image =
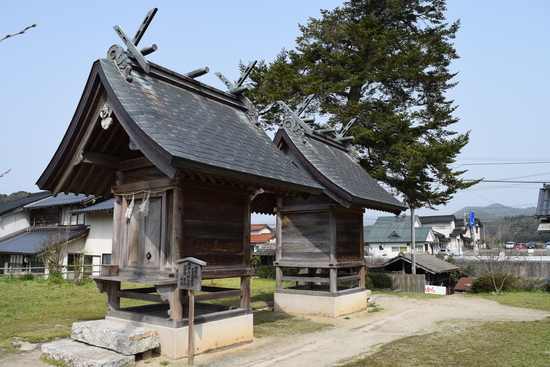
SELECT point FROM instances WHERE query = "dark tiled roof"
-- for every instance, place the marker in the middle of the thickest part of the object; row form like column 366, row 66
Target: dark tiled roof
column 60, row 200
column 543, row 204
column 209, row 131
column 19, row 203
column 428, row 262
column 104, row 206
column 331, row 164
column 266, row 250
column 30, row 242
column 437, row 219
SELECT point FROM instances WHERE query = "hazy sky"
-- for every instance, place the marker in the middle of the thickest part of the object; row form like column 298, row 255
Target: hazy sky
column 501, row 96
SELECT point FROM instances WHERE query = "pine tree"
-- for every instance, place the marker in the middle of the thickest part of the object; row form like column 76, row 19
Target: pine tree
column 385, row 62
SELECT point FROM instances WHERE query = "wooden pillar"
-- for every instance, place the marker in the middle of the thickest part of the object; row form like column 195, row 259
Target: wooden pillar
column 171, row 293
column 333, row 281
column 245, row 298
column 278, row 278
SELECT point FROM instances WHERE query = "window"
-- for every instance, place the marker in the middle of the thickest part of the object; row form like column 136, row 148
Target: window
column 399, row 249
column 419, row 248
column 106, row 259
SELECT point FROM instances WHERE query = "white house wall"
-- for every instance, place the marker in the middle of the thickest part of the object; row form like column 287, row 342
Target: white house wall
column 100, row 239
column 14, row 222
column 387, row 251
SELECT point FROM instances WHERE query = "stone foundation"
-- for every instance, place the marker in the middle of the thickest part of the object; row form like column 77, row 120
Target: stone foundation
column 208, row 336
column 319, row 304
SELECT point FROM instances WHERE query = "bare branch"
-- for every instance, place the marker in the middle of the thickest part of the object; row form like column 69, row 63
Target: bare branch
column 2, row 175
column 21, row 32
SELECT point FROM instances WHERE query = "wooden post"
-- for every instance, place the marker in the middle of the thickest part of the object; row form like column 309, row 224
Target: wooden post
column 191, row 336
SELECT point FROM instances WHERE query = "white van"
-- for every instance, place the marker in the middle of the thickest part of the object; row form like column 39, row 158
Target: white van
column 509, row 244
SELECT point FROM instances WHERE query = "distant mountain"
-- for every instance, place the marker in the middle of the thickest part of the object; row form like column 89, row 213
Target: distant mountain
column 495, row 211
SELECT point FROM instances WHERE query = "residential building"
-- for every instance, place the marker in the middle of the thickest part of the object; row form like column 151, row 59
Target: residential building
column 391, row 235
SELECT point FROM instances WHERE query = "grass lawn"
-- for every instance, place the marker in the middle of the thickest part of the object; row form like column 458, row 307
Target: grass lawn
column 465, row 344
column 35, row 311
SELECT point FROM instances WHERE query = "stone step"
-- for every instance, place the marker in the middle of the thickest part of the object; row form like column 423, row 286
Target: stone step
column 75, row 354
column 122, row 338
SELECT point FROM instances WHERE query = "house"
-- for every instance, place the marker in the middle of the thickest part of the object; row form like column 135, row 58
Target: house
column 180, row 159
column 391, row 235
column 467, row 236
column 256, row 229
column 48, row 219
column 445, row 227
column 436, row 271
column 14, row 217
column 321, row 235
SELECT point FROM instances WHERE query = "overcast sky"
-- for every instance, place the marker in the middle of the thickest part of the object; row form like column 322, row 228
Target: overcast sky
column 502, row 93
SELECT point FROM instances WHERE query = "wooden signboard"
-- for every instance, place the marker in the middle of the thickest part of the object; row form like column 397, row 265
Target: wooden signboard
column 190, row 273
column 190, row 278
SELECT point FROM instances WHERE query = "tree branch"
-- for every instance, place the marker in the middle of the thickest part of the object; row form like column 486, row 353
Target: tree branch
column 21, row 32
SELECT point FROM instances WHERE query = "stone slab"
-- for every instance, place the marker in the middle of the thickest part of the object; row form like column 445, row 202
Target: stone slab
column 316, row 305
column 75, row 354
column 208, row 336
column 122, row 338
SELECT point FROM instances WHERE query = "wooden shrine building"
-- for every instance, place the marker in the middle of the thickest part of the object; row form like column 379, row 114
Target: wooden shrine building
column 183, row 161
column 322, row 236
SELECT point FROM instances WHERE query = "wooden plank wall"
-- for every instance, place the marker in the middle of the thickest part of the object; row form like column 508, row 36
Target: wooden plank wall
column 214, row 225
column 305, row 236
column 349, row 225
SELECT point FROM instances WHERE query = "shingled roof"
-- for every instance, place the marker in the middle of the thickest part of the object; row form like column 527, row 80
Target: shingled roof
column 177, row 123
column 331, row 164
column 31, row 241
column 17, row 205
column 426, row 262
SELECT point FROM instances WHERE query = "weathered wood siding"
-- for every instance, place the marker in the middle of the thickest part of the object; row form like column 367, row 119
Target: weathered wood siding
column 144, row 237
column 349, row 229
column 305, row 236
column 214, row 225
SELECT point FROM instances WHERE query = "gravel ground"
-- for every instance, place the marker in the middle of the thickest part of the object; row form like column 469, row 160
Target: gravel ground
column 350, row 337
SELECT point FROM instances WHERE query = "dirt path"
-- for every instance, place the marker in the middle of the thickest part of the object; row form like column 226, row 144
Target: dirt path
column 360, row 333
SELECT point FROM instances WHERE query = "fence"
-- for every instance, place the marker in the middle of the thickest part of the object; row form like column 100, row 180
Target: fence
column 409, row 282
column 88, row 270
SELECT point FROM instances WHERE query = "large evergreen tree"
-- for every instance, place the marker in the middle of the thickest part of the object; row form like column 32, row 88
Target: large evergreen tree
column 385, row 62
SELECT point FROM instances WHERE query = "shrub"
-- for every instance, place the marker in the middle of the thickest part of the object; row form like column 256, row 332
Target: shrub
column 55, row 277
column 494, row 282
column 265, row 271
column 28, row 276
column 378, row 281
column 545, row 287
column 528, row 285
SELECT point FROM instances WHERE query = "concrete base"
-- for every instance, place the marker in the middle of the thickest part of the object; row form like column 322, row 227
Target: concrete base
column 208, row 336
column 320, row 305
column 76, row 354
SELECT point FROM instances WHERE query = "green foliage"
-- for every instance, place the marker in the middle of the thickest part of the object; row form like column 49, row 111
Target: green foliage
column 378, row 281
column 29, row 277
column 520, row 228
column 545, row 287
column 386, row 63
column 494, row 282
column 12, row 197
column 268, row 271
column 55, row 277
column 255, row 261
column 265, row 271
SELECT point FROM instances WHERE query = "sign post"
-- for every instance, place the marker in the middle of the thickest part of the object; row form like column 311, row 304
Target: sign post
column 190, row 278
column 472, row 224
